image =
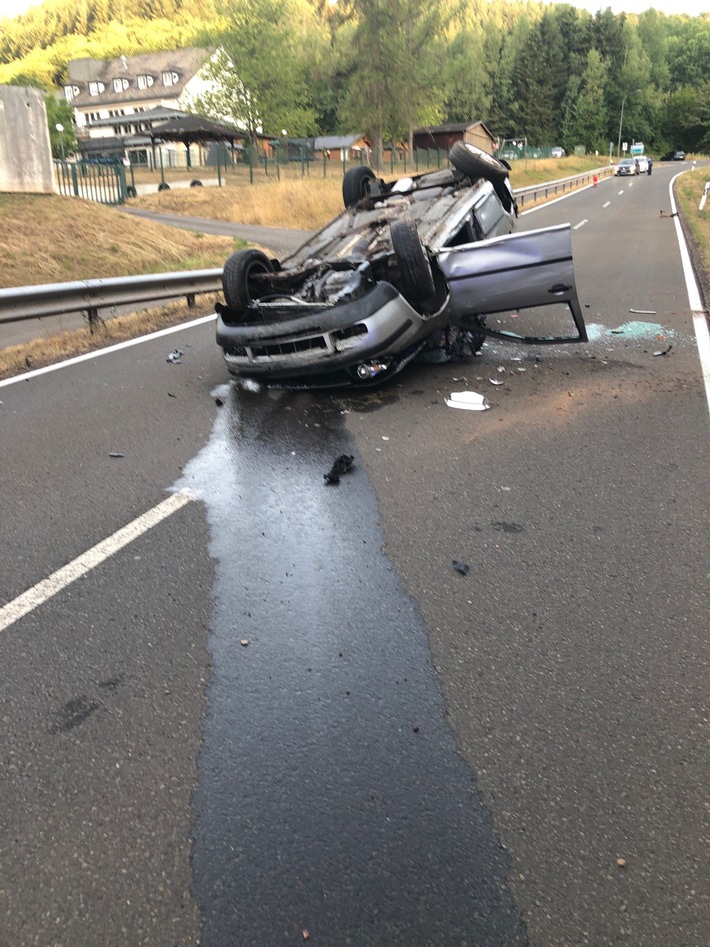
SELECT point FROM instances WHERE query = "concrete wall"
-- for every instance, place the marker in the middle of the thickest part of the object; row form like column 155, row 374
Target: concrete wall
column 25, row 153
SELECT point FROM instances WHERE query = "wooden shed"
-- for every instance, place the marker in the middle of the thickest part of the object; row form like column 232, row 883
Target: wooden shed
column 444, row 136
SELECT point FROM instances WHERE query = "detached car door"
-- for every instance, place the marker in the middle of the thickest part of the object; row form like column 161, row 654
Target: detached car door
column 525, row 280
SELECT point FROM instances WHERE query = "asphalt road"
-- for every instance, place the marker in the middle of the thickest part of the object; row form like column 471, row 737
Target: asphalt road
column 282, row 710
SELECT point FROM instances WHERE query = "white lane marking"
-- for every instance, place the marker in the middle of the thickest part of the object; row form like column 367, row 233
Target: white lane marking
column 621, row 191
column 580, row 224
column 111, row 348
column 695, row 301
column 44, row 590
column 607, row 204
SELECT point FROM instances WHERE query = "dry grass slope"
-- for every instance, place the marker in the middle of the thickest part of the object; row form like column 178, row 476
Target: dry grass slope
column 299, row 205
column 50, row 239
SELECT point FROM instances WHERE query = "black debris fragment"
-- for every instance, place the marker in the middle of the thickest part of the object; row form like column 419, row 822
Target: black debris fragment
column 664, row 351
column 342, row 465
column 505, row 527
column 461, row 567
column 174, row 357
column 115, row 453
column 218, row 402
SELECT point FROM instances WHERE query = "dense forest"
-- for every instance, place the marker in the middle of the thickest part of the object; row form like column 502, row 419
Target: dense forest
column 547, row 72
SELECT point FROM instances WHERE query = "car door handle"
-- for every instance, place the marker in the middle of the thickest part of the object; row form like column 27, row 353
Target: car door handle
column 559, row 289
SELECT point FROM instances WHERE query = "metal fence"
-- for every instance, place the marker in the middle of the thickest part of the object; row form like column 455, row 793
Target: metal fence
column 100, row 181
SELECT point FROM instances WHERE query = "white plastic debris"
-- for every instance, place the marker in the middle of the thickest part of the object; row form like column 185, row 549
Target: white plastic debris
column 174, row 357
column 494, row 381
column 467, row 400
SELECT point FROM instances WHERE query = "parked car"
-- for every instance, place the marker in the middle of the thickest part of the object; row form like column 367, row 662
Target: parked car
column 673, row 156
column 557, row 152
column 627, row 166
column 404, row 263
column 642, row 163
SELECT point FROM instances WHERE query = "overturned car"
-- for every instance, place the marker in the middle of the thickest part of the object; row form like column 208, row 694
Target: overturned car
column 406, row 263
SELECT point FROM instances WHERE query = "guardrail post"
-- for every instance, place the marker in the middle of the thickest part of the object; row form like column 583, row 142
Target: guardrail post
column 190, row 300
column 93, row 318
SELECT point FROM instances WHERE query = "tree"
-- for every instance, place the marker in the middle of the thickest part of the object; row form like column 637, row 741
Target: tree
column 395, row 76
column 583, row 108
column 60, row 112
column 259, row 71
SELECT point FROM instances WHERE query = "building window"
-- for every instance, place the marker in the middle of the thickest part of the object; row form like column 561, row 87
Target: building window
column 145, row 82
column 96, row 88
column 120, row 85
column 71, row 92
column 170, row 78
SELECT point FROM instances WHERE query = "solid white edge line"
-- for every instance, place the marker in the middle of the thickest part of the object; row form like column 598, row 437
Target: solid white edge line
column 107, row 351
column 47, row 588
column 695, row 301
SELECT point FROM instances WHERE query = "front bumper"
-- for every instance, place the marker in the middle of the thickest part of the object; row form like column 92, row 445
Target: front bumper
column 330, row 342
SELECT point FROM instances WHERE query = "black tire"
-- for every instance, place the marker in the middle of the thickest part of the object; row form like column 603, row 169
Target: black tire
column 356, row 184
column 416, row 280
column 237, row 277
column 475, row 163
column 163, row 186
column 195, row 183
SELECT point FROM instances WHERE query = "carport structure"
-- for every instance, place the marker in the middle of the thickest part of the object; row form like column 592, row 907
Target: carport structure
column 193, row 129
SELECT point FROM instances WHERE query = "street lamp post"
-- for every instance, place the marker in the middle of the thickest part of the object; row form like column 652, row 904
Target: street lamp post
column 60, row 129
column 621, row 119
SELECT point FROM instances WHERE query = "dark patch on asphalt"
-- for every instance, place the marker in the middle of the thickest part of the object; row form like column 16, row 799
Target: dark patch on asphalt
column 332, row 796
column 72, row 714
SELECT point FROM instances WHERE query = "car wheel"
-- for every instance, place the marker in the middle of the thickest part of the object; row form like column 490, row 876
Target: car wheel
column 237, row 277
column 356, row 184
column 416, row 280
column 476, row 163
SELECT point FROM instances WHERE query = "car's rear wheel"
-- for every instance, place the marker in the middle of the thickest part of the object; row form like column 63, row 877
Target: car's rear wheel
column 238, row 275
column 416, row 280
column 356, row 184
column 476, row 163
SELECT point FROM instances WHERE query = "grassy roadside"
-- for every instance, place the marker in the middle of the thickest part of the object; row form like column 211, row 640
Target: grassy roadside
column 54, row 239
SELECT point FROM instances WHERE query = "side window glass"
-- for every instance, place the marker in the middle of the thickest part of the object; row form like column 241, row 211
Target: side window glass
column 488, row 213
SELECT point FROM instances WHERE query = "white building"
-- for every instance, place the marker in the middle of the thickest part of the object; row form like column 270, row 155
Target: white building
column 117, row 101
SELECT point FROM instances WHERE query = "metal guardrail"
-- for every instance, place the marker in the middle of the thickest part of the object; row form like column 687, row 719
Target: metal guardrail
column 89, row 296
column 548, row 189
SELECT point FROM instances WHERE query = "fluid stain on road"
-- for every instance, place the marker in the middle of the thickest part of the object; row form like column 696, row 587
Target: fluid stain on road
column 332, row 797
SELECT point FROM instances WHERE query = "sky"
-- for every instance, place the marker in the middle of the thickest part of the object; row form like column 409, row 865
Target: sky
column 691, row 7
